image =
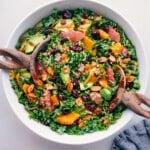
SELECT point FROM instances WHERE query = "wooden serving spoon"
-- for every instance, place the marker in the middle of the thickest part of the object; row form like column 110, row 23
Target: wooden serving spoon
column 130, row 99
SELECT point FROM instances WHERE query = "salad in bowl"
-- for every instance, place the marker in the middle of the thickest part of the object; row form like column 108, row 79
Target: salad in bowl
column 89, row 55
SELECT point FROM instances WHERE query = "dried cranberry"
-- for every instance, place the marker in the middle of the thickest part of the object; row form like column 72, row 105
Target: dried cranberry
column 75, row 93
column 77, row 48
column 85, row 98
column 61, row 96
column 129, row 85
column 67, row 15
column 63, row 40
column 65, row 111
column 85, row 16
column 54, row 51
column 46, row 123
column 75, row 82
column 106, row 29
column 63, row 22
column 60, row 86
column 95, row 35
column 90, row 107
column 53, row 78
column 46, row 32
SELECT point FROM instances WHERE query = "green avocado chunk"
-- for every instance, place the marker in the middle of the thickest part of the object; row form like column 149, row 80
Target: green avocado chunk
column 85, row 86
column 32, row 42
column 106, row 94
column 65, row 76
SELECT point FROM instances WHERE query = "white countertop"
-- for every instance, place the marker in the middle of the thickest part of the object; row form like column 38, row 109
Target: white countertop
column 13, row 134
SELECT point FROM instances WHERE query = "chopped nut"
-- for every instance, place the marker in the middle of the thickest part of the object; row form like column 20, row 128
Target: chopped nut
column 102, row 59
column 87, row 117
column 66, row 70
column 49, row 87
column 97, row 110
column 81, row 124
column 79, row 101
column 44, row 77
column 112, row 58
column 106, row 121
column 126, row 60
column 95, row 88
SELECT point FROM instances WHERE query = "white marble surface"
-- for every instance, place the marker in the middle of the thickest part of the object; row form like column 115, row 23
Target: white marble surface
column 13, row 134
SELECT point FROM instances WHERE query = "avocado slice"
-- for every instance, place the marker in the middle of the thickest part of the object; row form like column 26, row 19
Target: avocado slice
column 65, row 76
column 32, row 41
column 91, row 79
column 85, row 86
column 106, row 94
column 68, row 25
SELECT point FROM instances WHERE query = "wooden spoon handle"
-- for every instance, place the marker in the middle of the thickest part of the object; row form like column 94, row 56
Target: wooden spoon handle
column 13, row 59
column 134, row 103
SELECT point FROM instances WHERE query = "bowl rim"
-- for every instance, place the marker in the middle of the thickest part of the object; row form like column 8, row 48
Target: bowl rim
column 127, row 120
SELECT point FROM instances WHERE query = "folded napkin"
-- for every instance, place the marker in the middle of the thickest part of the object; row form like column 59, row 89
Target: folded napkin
column 135, row 138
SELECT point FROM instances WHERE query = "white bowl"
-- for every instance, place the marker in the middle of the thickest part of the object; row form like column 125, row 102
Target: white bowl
column 44, row 11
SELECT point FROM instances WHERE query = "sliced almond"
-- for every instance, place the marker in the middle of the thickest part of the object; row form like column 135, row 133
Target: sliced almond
column 44, row 77
column 103, row 59
column 49, row 87
column 87, row 117
column 79, row 101
column 112, row 58
column 81, row 124
column 106, row 121
column 126, row 60
column 95, row 88
column 66, row 70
